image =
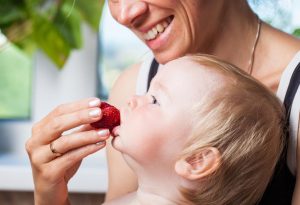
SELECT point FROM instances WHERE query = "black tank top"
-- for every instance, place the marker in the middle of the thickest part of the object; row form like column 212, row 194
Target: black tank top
column 281, row 187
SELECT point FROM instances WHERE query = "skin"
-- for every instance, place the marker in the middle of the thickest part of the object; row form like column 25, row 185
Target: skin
column 236, row 30
column 192, row 31
column 50, row 173
column 151, row 147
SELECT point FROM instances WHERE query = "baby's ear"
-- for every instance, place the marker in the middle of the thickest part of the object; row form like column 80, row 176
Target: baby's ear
column 199, row 165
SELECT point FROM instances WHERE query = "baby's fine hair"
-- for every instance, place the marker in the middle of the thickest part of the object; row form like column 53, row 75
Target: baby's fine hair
column 245, row 122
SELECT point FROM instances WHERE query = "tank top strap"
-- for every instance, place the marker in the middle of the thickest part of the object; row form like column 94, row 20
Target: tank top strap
column 153, row 70
column 142, row 78
column 281, row 187
column 289, row 93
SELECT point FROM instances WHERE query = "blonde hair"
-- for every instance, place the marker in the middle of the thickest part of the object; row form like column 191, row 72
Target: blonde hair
column 245, row 122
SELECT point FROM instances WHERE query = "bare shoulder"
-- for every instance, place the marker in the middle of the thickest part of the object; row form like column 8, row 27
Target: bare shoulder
column 126, row 199
column 276, row 50
column 124, row 86
column 281, row 44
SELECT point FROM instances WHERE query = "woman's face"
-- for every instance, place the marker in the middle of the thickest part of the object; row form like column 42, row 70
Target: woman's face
column 170, row 28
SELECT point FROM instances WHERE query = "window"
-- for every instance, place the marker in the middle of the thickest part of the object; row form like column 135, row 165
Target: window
column 15, row 82
column 119, row 48
column 280, row 14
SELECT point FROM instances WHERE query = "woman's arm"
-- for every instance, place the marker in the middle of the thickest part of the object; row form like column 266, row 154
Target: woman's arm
column 121, row 178
column 296, row 195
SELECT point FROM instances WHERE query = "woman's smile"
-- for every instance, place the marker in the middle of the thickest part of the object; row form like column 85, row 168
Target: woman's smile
column 159, row 34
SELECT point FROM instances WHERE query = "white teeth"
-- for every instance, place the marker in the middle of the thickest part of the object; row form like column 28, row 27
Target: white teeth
column 151, row 34
column 159, row 28
column 155, row 31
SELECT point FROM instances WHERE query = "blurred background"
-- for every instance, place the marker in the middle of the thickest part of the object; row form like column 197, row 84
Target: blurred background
column 52, row 52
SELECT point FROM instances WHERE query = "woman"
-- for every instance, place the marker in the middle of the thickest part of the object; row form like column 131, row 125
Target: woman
column 170, row 28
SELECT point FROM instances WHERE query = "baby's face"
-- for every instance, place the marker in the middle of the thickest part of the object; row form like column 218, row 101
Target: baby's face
column 155, row 127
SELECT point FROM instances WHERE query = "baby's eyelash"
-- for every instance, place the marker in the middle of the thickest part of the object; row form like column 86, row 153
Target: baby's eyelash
column 154, row 100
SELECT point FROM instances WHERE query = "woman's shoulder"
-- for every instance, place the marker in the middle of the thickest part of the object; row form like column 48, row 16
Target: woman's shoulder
column 282, row 44
column 277, row 49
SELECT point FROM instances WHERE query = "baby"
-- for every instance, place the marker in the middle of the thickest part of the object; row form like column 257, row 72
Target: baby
column 205, row 133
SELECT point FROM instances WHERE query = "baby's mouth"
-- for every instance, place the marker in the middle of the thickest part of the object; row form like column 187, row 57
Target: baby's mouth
column 158, row 29
column 116, row 131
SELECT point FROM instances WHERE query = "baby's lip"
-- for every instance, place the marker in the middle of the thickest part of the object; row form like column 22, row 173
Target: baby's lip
column 116, row 131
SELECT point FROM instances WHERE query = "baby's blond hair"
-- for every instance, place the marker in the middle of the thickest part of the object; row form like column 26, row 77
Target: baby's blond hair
column 245, row 122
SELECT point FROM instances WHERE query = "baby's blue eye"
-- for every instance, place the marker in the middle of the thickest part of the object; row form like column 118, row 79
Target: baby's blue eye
column 154, row 100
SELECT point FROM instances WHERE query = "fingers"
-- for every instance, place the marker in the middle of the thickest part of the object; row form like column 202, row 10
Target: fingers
column 67, row 143
column 66, row 117
column 58, row 169
column 68, row 160
column 58, row 125
column 75, row 106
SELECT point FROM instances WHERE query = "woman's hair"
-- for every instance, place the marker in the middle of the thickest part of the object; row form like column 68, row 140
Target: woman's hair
column 245, row 122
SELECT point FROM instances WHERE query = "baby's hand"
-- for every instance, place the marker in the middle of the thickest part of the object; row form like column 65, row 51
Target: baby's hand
column 110, row 117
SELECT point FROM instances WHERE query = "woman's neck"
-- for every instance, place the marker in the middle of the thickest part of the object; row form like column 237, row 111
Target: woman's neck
column 235, row 34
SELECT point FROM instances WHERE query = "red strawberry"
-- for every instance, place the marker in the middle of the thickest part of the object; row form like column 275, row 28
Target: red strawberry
column 110, row 117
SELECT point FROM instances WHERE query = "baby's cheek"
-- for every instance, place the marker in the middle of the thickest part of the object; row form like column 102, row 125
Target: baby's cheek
column 143, row 138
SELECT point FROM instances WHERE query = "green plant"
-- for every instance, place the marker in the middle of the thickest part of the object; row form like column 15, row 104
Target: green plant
column 297, row 32
column 51, row 25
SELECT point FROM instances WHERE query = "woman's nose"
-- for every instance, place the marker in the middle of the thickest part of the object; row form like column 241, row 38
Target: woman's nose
column 130, row 11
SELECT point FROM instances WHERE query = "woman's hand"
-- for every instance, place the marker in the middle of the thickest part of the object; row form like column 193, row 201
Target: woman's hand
column 55, row 156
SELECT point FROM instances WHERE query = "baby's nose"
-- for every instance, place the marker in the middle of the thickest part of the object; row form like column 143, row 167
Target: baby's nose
column 132, row 103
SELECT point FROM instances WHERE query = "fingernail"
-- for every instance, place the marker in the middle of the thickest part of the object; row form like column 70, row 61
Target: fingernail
column 94, row 102
column 103, row 133
column 95, row 112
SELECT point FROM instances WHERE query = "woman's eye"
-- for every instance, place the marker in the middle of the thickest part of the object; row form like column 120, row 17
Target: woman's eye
column 154, row 100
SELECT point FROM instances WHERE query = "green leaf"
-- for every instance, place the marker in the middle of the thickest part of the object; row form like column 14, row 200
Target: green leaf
column 49, row 39
column 10, row 12
column 90, row 10
column 297, row 32
column 67, row 22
